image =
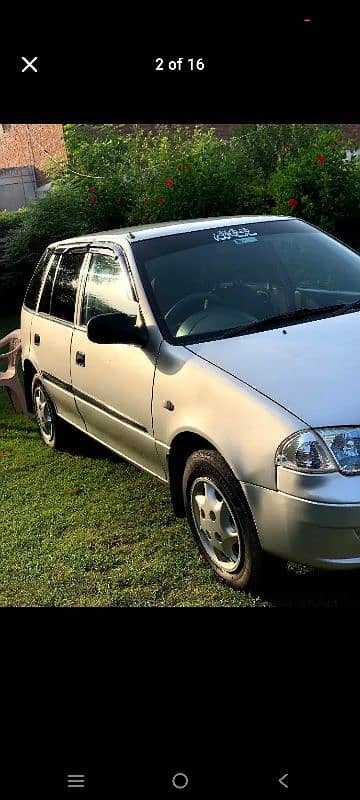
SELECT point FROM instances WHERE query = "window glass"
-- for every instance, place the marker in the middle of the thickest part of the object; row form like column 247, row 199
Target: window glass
column 209, row 280
column 32, row 293
column 65, row 286
column 45, row 297
column 107, row 288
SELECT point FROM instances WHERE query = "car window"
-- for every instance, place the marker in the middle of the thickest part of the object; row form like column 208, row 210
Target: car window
column 214, row 279
column 65, row 286
column 107, row 288
column 45, row 297
column 32, row 293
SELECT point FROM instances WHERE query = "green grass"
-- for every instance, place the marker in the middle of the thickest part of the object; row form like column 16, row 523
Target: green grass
column 84, row 528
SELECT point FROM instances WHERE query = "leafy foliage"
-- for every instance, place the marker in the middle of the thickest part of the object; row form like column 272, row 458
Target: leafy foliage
column 9, row 221
column 271, row 145
column 321, row 187
column 113, row 179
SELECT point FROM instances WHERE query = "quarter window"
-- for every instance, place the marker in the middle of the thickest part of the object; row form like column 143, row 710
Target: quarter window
column 65, row 286
column 32, row 293
column 45, row 297
column 107, row 288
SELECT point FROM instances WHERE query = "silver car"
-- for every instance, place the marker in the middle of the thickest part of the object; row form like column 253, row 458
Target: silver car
column 220, row 356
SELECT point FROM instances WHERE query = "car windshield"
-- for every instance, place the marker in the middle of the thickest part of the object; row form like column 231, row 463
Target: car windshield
column 217, row 280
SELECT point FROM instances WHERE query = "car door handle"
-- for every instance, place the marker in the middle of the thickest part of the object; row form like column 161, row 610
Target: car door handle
column 36, row 338
column 80, row 359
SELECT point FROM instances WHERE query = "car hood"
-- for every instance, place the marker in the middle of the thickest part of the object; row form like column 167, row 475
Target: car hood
column 311, row 369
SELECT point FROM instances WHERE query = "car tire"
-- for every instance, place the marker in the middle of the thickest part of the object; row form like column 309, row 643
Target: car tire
column 221, row 522
column 52, row 429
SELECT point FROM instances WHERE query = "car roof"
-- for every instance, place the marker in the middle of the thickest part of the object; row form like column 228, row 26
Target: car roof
column 140, row 232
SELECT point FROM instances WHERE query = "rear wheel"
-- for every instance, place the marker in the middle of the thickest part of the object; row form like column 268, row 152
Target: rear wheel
column 52, row 429
column 221, row 521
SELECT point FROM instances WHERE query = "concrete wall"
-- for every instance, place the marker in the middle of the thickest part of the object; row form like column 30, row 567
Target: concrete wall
column 17, row 187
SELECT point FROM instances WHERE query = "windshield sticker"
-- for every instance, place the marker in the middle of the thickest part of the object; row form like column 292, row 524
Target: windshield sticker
column 223, row 234
column 245, row 240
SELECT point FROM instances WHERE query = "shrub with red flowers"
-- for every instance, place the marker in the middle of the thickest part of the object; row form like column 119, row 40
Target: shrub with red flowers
column 113, row 180
column 322, row 187
column 293, row 202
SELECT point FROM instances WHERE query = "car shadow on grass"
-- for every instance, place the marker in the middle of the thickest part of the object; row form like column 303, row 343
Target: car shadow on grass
column 80, row 444
column 302, row 587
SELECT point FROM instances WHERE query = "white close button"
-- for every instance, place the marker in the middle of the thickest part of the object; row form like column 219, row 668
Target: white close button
column 29, row 64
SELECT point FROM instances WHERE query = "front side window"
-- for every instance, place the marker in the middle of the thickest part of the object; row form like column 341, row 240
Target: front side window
column 32, row 292
column 65, row 286
column 107, row 288
column 205, row 282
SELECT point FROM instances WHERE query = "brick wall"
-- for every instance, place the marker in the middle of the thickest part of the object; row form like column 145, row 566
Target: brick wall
column 351, row 132
column 29, row 145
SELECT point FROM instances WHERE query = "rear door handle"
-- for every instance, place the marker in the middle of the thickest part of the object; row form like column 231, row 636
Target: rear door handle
column 80, row 359
column 36, row 338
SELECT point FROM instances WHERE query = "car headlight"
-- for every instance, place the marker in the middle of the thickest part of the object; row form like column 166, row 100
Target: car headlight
column 344, row 446
column 305, row 452
column 323, row 450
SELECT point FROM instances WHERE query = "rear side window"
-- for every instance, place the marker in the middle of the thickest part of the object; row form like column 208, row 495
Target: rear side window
column 32, row 293
column 65, row 286
column 45, row 298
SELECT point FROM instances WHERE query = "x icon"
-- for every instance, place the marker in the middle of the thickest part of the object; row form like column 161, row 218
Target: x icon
column 29, row 64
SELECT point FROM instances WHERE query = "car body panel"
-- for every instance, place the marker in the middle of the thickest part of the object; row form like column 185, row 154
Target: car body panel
column 51, row 357
column 312, row 533
column 229, row 414
column 140, row 232
column 330, row 487
column 113, row 394
column 307, row 370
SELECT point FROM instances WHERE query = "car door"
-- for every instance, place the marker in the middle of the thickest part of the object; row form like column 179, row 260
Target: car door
column 113, row 383
column 52, row 330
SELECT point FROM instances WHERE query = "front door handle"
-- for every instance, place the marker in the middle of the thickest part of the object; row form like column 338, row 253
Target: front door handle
column 36, row 338
column 80, row 359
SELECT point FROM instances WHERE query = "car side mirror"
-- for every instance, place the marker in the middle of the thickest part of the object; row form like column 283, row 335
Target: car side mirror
column 117, row 328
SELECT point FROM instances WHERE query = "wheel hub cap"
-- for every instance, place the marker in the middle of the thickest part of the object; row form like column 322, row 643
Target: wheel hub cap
column 215, row 525
column 43, row 413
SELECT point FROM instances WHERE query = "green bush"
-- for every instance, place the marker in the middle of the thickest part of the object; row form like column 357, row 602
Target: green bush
column 270, row 145
column 321, row 187
column 9, row 221
column 118, row 180
column 113, row 179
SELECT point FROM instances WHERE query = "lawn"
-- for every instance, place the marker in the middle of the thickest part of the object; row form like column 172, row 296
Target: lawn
column 84, row 528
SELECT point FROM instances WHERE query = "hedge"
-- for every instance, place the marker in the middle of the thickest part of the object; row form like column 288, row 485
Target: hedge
column 180, row 173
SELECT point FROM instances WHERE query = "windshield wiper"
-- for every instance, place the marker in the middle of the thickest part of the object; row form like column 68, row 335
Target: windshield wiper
column 291, row 316
column 352, row 306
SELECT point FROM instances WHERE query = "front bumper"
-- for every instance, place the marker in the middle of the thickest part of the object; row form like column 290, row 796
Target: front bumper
column 318, row 534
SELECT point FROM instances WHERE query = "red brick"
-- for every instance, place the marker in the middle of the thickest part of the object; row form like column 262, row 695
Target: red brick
column 31, row 145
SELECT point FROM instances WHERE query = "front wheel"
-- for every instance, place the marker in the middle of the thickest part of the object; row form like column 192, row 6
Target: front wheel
column 221, row 522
